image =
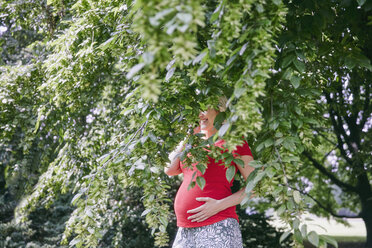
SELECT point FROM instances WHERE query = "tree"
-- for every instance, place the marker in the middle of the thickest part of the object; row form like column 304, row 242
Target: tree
column 327, row 44
column 119, row 84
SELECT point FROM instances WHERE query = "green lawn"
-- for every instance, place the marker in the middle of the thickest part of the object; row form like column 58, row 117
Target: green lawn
column 349, row 238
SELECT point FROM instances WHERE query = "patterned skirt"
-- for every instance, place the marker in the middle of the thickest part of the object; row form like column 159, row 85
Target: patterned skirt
column 222, row 234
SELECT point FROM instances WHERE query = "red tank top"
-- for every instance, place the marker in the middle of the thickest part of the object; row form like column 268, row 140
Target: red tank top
column 216, row 187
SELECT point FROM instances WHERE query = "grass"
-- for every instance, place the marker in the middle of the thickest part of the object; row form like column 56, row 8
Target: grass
column 344, row 242
column 355, row 239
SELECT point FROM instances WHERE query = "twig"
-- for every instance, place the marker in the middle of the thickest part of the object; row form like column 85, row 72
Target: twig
column 329, row 210
column 331, row 176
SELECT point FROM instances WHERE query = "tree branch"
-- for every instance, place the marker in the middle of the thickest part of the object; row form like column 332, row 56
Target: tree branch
column 326, row 138
column 328, row 209
column 355, row 108
column 331, row 176
column 327, row 154
column 338, row 130
column 366, row 108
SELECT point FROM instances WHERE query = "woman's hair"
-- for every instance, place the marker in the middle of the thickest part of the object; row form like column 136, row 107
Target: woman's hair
column 222, row 101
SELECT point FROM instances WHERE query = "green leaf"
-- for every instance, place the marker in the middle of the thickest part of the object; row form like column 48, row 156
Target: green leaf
column 252, row 181
column 148, row 57
column 269, row 142
column 231, row 59
column 103, row 158
column 287, row 60
column 298, row 236
column 281, row 209
column 229, row 160
column 134, row 70
column 297, row 196
column 260, row 147
column 202, row 168
column 350, row 62
column 304, row 230
column 239, row 91
column 163, row 220
column 270, row 171
column 108, row 43
column 162, row 229
column 37, row 123
column 220, row 118
column 75, row 198
column 184, row 17
column 284, row 236
column 199, row 58
column 287, row 73
column 74, row 241
column 295, row 81
column 202, row 69
column 216, row 13
column 169, row 74
column 239, row 162
column 89, row 213
column 245, row 200
column 201, row 182
column 223, row 129
column 329, row 240
column 191, row 185
column 363, row 61
column 288, row 144
column 211, row 46
column 290, row 204
column 146, row 212
column 277, row 2
column 244, row 47
column 296, row 223
column 256, row 164
column 260, row 8
column 313, row 238
column 152, row 137
column 230, row 173
column 299, row 65
column 278, row 135
column 155, row 20
column 361, row 2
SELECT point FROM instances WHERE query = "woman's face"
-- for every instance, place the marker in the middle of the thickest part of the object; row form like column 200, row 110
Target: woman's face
column 206, row 119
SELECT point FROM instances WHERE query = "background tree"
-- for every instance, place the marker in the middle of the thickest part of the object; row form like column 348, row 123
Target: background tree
column 113, row 86
column 327, row 49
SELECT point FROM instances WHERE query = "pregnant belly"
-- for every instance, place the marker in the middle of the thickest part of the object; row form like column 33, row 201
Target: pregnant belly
column 185, row 199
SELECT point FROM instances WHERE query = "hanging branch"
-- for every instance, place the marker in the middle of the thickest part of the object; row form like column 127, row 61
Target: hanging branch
column 333, row 178
column 328, row 209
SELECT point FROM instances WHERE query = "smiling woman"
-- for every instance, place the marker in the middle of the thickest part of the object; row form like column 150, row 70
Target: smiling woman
column 207, row 217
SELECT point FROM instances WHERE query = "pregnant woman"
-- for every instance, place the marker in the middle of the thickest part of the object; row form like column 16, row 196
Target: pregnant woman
column 207, row 218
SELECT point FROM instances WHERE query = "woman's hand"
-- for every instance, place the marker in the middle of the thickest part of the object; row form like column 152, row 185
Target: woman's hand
column 208, row 209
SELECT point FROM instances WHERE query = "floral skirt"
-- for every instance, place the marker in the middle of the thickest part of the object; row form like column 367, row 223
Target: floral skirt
column 222, row 234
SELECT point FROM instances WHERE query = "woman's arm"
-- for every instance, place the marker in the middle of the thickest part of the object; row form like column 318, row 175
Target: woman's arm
column 173, row 168
column 213, row 206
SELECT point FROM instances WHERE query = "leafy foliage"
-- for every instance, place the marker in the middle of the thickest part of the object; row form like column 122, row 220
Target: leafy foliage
column 95, row 100
column 45, row 227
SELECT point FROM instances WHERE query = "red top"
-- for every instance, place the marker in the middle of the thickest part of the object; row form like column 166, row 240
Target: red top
column 216, row 187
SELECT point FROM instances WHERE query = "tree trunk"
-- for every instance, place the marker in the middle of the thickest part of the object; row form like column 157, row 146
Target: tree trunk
column 367, row 217
column 368, row 222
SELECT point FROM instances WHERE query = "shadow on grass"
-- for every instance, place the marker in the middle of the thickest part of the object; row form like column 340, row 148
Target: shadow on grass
column 344, row 242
